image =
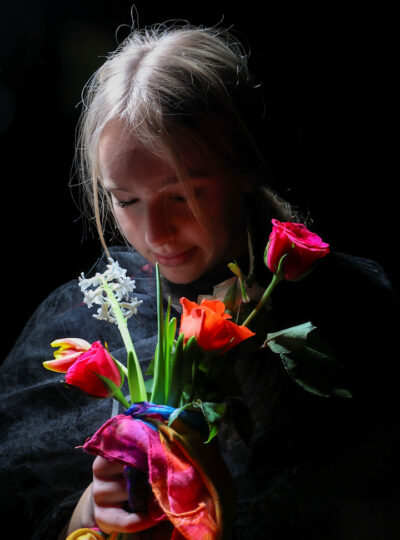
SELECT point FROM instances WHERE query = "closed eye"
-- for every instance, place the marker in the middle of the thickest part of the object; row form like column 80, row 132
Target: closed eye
column 198, row 191
column 179, row 199
column 125, row 204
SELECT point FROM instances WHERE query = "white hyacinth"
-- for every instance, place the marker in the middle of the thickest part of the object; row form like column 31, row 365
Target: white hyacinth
column 100, row 289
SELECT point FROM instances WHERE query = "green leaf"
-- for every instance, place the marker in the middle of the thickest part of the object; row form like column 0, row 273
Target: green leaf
column 149, row 385
column 169, row 341
column 230, row 297
column 150, row 369
column 130, row 363
column 316, row 373
column 137, row 390
column 235, row 268
column 193, row 358
column 266, row 253
column 290, row 339
column 158, row 394
column 308, row 361
column 121, row 371
column 178, row 411
column 191, row 353
column 115, row 391
column 162, row 357
column 213, row 413
column 177, row 373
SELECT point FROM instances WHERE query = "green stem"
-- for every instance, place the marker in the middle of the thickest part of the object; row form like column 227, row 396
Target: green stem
column 137, row 387
column 277, row 278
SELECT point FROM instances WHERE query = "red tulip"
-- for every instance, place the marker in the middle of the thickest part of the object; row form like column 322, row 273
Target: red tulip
column 82, row 366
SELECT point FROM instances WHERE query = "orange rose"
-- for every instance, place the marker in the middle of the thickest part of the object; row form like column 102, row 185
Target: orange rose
column 211, row 326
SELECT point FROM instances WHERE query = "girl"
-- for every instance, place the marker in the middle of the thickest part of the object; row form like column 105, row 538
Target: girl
column 165, row 144
column 168, row 150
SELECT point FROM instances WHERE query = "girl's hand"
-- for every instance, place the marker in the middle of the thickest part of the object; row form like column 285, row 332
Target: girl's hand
column 109, row 498
column 103, row 502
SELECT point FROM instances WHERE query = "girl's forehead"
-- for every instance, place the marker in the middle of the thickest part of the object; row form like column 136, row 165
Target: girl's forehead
column 123, row 158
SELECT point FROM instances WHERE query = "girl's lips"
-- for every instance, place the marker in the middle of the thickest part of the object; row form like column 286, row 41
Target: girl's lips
column 175, row 260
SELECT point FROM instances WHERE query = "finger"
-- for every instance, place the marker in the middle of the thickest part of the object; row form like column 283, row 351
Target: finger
column 113, row 519
column 103, row 469
column 109, row 492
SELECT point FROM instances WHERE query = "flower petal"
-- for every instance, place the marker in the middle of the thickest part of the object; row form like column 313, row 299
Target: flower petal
column 209, row 324
column 83, row 372
column 75, row 343
column 62, row 365
column 300, row 247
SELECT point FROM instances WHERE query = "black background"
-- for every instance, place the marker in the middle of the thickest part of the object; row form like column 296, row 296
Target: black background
column 327, row 75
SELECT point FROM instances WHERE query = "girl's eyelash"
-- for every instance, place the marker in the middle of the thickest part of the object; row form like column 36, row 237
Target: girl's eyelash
column 125, row 204
column 179, row 199
column 182, row 199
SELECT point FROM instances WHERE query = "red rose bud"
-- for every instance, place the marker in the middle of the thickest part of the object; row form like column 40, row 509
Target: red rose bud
column 211, row 326
column 301, row 247
column 96, row 360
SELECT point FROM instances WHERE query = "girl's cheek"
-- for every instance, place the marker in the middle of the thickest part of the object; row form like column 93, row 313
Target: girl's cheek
column 120, row 218
column 126, row 221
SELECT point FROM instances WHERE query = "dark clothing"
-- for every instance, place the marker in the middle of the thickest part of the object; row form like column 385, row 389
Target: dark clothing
column 310, row 464
column 42, row 421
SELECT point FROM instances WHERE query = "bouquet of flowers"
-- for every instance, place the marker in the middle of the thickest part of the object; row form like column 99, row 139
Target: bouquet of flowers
column 166, row 436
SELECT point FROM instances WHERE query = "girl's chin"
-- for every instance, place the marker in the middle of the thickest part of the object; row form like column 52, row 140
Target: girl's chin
column 182, row 275
column 182, row 268
column 178, row 259
column 185, row 267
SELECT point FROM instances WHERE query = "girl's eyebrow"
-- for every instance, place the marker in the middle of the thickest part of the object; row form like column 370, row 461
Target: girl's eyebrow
column 193, row 175
column 111, row 188
column 173, row 180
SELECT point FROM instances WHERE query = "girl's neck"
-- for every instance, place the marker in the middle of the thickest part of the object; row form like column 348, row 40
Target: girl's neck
column 203, row 285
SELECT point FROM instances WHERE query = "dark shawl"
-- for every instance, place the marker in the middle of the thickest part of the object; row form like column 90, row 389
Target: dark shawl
column 310, row 464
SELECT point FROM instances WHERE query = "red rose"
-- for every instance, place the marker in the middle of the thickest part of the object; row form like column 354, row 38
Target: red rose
column 82, row 373
column 301, row 247
column 209, row 323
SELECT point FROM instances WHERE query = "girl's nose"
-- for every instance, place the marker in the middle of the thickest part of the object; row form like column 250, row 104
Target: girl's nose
column 159, row 229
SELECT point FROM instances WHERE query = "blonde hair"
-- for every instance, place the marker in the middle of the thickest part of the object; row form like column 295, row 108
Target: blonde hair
column 169, row 83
